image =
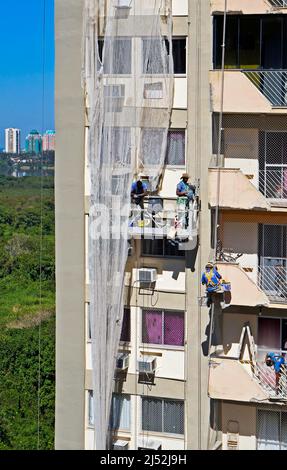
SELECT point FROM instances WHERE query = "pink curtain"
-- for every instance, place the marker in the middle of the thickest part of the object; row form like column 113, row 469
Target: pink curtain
column 174, row 328
column 152, row 327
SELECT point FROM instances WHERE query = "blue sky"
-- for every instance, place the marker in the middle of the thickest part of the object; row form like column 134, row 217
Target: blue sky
column 21, row 64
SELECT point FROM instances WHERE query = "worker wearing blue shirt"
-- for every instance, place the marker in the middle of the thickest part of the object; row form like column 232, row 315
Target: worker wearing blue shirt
column 138, row 192
column 184, row 189
column 277, row 361
column 212, row 279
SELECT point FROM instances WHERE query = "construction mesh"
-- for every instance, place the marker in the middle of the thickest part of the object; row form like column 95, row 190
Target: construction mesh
column 128, row 78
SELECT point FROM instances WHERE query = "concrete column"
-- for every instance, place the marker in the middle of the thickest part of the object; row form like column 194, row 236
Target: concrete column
column 199, row 152
column 70, row 243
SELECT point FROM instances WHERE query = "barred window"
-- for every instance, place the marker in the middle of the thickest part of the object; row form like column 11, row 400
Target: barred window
column 121, row 412
column 162, row 415
column 175, row 154
column 163, row 327
column 271, row 430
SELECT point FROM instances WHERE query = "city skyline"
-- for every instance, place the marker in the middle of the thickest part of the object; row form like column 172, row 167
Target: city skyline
column 47, row 138
column 21, row 80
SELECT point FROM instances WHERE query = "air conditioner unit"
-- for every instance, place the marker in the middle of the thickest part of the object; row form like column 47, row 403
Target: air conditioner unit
column 146, row 444
column 147, row 275
column 147, row 364
column 122, row 3
column 153, row 91
column 123, row 361
column 120, row 445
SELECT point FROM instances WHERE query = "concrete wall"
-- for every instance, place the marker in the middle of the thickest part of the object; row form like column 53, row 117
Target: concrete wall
column 70, row 275
column 244, row 416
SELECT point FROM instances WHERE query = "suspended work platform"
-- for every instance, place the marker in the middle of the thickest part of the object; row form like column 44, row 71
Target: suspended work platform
column 154, row 221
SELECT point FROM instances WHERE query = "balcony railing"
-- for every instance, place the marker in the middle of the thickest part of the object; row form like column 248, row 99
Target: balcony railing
column 278, row 3
column 266, row 377
column 153, row 221
column 273, row 183
column 273, row 279
column 271, row 83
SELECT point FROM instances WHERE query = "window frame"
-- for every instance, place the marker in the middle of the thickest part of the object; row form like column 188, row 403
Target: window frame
column 122, row 342
column 178, row 257
column 163, row 345
column 128, row 398
column 268, row 409
column 168, row 165
column 163, row 401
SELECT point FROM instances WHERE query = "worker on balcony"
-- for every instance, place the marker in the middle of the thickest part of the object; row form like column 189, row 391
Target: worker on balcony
column 212, row 280
column 184, row 189
column 277, row 361
column 139, row 191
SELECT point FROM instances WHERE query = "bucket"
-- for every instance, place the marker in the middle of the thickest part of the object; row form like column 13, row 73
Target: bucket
column 226, row 286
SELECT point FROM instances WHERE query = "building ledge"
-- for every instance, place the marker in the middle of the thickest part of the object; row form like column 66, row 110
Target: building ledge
column 228, row 380
column 244, row 292
column 236, row 191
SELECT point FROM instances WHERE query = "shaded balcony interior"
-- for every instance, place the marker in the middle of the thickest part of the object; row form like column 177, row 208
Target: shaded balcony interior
column 258, row 146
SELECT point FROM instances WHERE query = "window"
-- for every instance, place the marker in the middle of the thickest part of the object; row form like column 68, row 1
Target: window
column 179, row 55
column 118, row 55
column 166, row 416
column 155, row 56
column 152, row 141
column 163, row 327
column 89, row 322
column 156, row 52
column 120, row 412
column 175, row 154
column 252, row 41
column 116, row 146
column 91, row 409
column 126, row 326
column 272, row 335
column 271, row 430
column 161, row 247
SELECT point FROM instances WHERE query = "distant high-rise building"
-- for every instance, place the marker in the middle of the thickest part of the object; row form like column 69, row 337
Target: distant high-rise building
column 12, row 140
column 33, row 143
column 49, row 140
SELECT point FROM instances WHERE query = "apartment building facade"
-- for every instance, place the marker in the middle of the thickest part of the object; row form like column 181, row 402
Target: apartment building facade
column 184, row 398
column 12, row 140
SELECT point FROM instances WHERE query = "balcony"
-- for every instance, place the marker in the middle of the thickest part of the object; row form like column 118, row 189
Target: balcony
column 236, row 191
column 266, row 378
column 278, row 3
column 249, row 7
column 272, row 279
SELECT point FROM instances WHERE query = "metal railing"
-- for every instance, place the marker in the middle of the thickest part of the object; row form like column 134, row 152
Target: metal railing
column 271, row 83
column 278, row 3
column 273, row 281
column 266, row 377
column 273, row 183
column 153, row 221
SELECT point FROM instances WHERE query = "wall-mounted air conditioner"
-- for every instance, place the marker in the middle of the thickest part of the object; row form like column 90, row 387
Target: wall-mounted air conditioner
column 147, row 275
column 146, row 444
column 120, row 445
column 123, row 361
column 153, row 91
column 122, row 3
column 147, row 364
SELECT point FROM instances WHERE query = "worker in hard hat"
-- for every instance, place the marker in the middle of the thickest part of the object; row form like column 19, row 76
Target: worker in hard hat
column 277, row 361
column 184, row 189
column 212, row 280
column 139, row 191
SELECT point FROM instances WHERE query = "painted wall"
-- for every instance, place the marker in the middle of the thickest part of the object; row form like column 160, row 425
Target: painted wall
column 244, row 417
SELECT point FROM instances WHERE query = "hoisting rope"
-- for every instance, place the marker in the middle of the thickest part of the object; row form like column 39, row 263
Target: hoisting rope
column 41, row 226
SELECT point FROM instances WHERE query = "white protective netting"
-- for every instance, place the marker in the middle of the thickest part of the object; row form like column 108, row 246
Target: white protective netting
column 128, row 78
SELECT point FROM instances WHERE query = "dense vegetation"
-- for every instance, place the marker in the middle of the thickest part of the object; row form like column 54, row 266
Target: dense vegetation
column 26, row 311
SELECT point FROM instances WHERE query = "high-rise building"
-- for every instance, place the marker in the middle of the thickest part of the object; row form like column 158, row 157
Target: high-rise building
column 33, row 142
column 49, row 139
column 189, row 375
column 12, row 140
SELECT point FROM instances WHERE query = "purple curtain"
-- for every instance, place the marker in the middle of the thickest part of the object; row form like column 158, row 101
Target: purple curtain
column 152, row 327
column 174, row 328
